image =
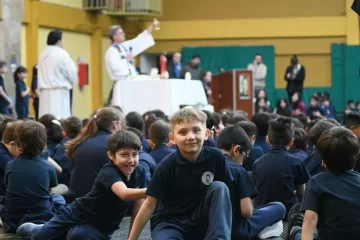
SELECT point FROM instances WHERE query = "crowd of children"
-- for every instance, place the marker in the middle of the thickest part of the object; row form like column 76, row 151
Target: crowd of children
column 197, row 175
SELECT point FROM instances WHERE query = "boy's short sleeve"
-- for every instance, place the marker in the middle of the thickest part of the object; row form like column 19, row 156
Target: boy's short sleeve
column 311, row 199
column 142, row 179
column 223, row 173
column 53, row 177
column 245, row 185
column 356, row 6
column 301, row 173
column 108, row 176
column 158, row 186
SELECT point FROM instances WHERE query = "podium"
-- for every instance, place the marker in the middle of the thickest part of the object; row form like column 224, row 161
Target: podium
column 233, row 90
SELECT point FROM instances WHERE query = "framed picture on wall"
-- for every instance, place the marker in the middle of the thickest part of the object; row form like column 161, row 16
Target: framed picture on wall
column 244, row 87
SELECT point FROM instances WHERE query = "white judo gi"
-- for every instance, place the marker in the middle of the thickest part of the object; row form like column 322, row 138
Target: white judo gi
column 57, row 73
column 118, row 67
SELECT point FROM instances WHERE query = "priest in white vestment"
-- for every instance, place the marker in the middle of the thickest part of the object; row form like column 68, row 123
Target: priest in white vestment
column 57, row 73
column 119, row 56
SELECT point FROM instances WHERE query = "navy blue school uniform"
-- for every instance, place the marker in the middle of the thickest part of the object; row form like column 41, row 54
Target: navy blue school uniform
column 310, row 110
column 254, row 154
column 145, row 146
column 28, row 181
column 148, row 163
column 276, row 175
column 243, row 187
column 160, row 151
column 357, row 164
column 260, row 141
column 60, row 157
column 182, row 188
column 21, row 103
column 97, row 214
column 34, row 86
column 329, row 111
column 310, row 148
column 335, row 198
column 89, row 158
column 50, row 145
column 300, row 154
column 356, row 6
column 209, row 142
column 5, row 157
column 313, row 163
column 4, row 105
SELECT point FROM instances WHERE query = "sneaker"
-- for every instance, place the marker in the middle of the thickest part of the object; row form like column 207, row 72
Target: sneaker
column 26, row 229
column 274, row 230
column 295, row 218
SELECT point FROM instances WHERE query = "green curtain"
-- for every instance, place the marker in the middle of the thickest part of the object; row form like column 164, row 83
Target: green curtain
column 233, row 57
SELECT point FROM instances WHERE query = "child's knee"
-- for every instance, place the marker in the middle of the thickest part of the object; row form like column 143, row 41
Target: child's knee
column 280, row 208
column 218, row 187
column 77, row 233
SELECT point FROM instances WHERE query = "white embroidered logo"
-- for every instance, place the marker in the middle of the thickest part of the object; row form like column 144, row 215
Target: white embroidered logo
column 207, row 178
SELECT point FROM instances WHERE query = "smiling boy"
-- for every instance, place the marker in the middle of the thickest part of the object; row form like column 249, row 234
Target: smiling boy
column 99, row 213
column 188, row 188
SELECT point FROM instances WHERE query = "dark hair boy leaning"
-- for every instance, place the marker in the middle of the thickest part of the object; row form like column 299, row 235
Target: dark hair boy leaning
column 247, row 223
column 331, row 201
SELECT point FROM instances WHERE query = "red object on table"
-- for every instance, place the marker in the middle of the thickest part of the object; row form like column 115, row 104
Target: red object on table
column 163, row 64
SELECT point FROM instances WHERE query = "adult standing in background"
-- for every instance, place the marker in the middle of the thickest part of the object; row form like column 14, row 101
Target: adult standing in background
column 35, row 92
column 119, row 57
column 193, row 67
column 295, row 77
column 259, row 70
column 175, row 66
column 57, row 73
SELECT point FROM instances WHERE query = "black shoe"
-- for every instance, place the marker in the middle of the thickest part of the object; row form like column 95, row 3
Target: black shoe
column 295, row 218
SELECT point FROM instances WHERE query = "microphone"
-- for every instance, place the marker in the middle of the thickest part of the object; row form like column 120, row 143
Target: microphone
column 221, row 69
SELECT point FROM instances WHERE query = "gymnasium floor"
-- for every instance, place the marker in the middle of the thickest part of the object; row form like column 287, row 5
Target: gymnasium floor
column 122, row 233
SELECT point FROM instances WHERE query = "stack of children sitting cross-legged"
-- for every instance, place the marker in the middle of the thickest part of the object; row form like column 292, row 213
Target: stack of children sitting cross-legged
column 171, row 172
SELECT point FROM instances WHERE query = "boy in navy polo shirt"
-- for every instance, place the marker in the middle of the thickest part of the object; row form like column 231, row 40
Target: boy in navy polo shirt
column 98, row 214
column 261, row 121
column 247, row 223
column 145, row 160
column 71, row 128
column 331, row 201
column 28, row 180
column 159, row 139
column 135, row 120
column 353, row 124
column 314, row 162
column 188, row 189
column 299, row 148
column 278, row 174
column 256, row 151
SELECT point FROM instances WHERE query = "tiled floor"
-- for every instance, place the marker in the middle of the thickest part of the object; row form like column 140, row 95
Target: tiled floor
column 122, row 233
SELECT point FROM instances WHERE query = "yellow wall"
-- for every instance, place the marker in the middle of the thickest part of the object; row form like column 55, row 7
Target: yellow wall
column 233, row 9
column 23, row 46
column 77, row 45
column 106, row 83
column 67, row 3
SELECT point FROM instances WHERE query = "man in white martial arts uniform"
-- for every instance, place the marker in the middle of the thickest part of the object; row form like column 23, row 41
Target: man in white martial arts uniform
column 119, row 57
column 57, row 73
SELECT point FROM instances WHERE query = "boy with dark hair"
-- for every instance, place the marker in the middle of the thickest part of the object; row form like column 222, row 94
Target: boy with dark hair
column 219, row 126
column 28, row 180
column 256, row 151
column 261, row 121
column 314, row 162
column 188, row 188
column 210, row 124
column 328, row 108
column 299, row 148
column 120, row 184
column 247, row 223
column 314, row 110
column 279, row 166
column 159, row 139
column 135, row 120
column 331, row 200
column 302, row 118
column 353, row 124
column 71, row 129
column 145, row 160
column 5, row 101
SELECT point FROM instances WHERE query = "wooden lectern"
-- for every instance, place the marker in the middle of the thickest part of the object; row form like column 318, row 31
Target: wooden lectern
column 234, row 90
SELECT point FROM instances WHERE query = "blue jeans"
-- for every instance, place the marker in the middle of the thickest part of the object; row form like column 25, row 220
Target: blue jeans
column 211, row 220
column 296, row 235
column 262, row 217
column 69, row 225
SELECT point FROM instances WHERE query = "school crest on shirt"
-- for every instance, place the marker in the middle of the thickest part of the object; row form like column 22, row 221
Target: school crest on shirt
column 207, row 178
